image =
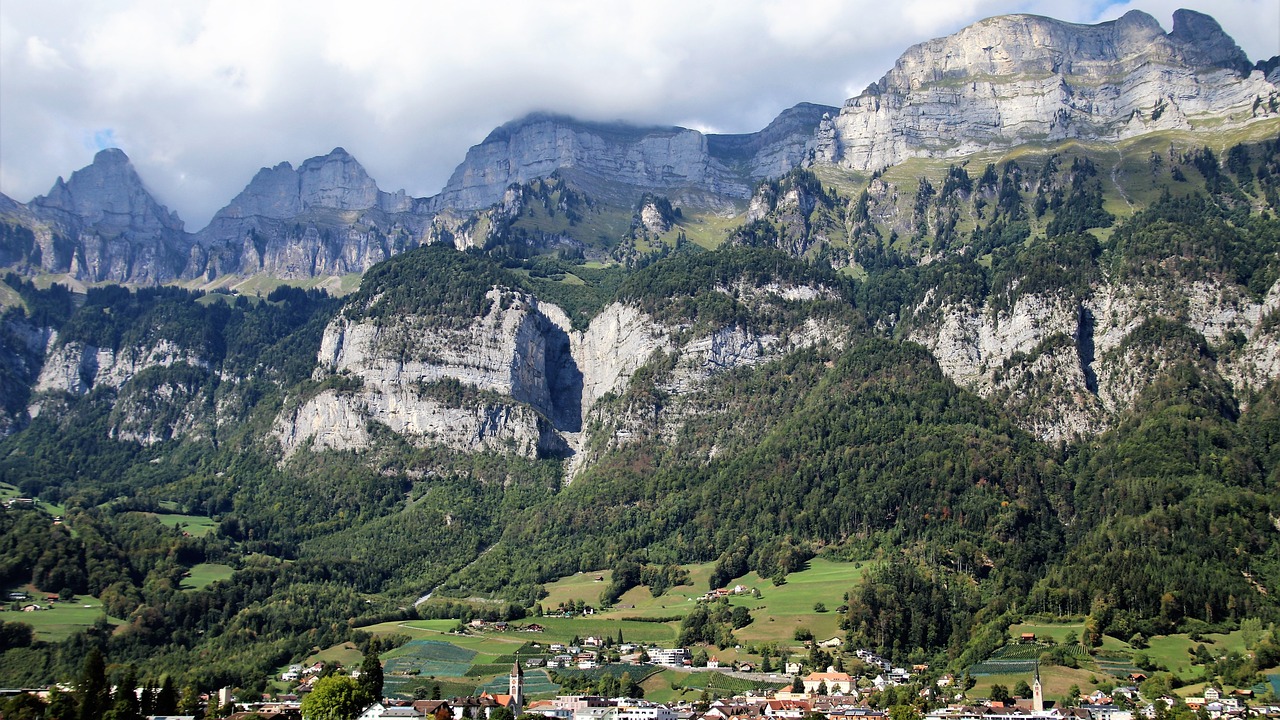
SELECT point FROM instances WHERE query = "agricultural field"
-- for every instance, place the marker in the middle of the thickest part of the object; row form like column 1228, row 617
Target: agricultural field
column 673, row 685
column 1057, row 632
column 1057, row 681
column 777, row 613
column 9, row 491
column 1114, row 658
column 346, row 655
column 429, row 658
column 582, row 586
column 1019, row 660
column 62, row 619
column 1173, row 651
column 781, row 609
column 537, row 685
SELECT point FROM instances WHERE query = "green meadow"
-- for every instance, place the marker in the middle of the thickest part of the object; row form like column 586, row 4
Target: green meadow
column 1058, row 632
column 62, row 619
column 206, row 574
column 777, row 612
column 194, row 525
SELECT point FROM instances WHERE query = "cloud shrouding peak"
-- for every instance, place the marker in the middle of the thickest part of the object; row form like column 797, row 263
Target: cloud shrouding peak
column 201, row 95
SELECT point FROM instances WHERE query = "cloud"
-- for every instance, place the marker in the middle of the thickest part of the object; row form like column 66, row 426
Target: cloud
column 202, row 94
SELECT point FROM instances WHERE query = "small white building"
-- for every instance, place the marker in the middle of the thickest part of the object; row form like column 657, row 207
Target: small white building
column 668, row 656
column 647, row 711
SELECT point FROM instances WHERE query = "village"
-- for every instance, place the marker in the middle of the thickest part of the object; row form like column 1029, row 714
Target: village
column 828, row 694
column 831, row 695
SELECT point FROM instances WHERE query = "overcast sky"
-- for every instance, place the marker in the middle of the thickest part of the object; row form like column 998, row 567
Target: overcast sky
column 200, row 95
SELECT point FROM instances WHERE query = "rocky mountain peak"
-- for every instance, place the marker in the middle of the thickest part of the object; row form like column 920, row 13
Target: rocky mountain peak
column 1016, row 79
column 334, row 181
column 108, row 195
column 1206, row 42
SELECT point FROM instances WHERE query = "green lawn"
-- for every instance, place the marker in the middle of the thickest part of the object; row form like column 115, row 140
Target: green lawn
column 346, row 654
column 62, row 620
column 582, row 586
column 563, row 629
column 206, row 574
column 491, row 644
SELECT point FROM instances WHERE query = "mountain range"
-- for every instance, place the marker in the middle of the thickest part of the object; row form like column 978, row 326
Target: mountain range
column 996, row 84
column 1010, row 318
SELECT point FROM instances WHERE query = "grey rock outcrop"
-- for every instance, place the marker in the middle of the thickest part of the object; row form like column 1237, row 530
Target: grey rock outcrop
column 104, row 225
column 327, row 217
column 514, row 355
column 1068, row 367
column 335, row 181
column 519, row 379
column 1020, row 78
column 622, row 161
column 159, row 387
column 77, row 369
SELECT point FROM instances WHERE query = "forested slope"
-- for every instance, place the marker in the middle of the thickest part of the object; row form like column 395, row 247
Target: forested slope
column 1046, row 385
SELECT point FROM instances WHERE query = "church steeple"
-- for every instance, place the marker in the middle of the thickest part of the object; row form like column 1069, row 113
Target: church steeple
column 1037, row 692
column 515, row 687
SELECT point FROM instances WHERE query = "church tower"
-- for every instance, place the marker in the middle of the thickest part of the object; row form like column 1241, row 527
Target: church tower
column 1037, row 692
column 515, row 687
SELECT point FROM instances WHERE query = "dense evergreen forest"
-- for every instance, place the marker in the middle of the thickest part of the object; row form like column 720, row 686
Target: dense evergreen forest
column 856, row 448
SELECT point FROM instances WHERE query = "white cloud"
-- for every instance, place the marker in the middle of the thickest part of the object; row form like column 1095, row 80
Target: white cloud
column 202, row 94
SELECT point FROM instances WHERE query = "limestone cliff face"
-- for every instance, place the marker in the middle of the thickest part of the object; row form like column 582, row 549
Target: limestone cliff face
column 1067, row 366
column 160, row 389
column 519, row 379
column 77, row 368
column 625, row 161
column 515, row 355
column 515, row 380
column 1019, row 78
column 619, row 340
column 335, row 181
column 538, row 145
column 682, row 366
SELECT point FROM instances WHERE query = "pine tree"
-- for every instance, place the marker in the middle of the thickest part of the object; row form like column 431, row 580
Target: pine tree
column 371, row 670
column 125, row 705
column 166, row 702
column 149, row 699
column 94, row 695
